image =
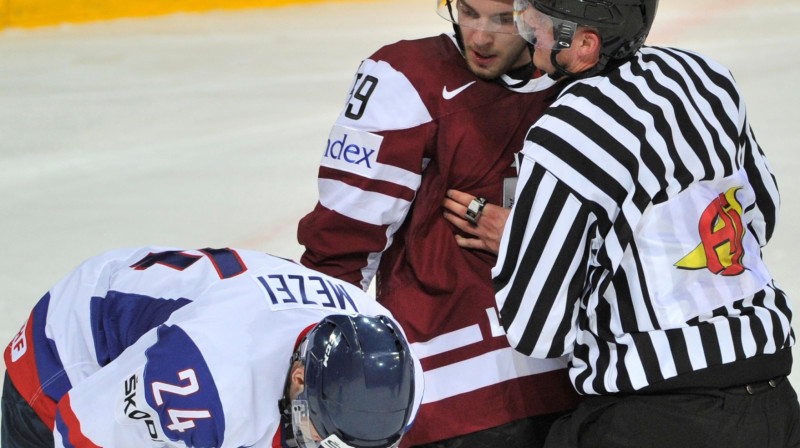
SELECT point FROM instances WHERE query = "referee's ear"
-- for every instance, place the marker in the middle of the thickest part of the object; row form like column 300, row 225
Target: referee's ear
column 586, row 45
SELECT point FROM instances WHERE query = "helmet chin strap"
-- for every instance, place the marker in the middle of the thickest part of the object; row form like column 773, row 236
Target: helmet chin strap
column 564, row 73
column 459, row 38
column 522, row 75
column 456, row 27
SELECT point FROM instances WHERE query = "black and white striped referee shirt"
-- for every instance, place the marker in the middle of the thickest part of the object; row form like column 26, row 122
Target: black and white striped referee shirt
column 634, row 244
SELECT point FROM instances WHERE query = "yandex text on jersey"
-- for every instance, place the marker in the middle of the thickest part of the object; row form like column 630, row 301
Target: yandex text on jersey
column 352, row 147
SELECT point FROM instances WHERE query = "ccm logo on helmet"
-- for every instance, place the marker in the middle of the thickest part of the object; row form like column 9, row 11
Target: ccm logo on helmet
column 328, row 347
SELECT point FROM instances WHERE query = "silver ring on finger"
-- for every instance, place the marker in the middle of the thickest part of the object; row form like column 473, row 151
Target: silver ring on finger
column 474, row 210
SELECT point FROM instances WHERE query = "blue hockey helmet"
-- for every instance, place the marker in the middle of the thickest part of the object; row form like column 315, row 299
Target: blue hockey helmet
column 359, row 384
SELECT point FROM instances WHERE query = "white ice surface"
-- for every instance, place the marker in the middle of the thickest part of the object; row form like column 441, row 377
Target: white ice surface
column 205, row 130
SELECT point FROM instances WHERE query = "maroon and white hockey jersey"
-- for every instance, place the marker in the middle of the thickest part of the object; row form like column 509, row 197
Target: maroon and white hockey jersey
column 417, row 123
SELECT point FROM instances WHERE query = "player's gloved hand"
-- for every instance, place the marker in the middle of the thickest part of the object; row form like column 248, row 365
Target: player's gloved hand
column 488, row 225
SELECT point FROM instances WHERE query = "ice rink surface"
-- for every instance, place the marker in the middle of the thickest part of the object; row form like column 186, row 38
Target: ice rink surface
column 206, row 130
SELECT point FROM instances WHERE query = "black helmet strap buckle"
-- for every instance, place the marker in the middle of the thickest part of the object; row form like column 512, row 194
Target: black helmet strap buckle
column 564, row 33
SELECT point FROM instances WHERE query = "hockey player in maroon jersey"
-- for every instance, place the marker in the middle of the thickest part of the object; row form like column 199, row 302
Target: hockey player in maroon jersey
column 424, row 117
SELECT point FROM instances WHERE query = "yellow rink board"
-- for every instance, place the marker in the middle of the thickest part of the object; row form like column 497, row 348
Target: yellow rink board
column 33, row 13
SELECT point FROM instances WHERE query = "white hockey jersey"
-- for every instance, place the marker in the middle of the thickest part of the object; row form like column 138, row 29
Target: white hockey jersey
column 167, row 347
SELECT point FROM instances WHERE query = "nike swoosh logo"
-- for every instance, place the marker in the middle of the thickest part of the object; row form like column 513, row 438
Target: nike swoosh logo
column 449, row 95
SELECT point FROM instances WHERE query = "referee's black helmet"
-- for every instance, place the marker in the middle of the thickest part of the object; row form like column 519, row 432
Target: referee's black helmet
column 623, row 25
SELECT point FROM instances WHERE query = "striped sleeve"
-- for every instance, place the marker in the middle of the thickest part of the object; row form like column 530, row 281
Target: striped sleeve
column 541, row 273
column 763, row 218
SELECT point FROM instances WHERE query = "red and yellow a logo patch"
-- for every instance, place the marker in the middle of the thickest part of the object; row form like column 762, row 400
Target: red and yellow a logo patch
column 721, row 233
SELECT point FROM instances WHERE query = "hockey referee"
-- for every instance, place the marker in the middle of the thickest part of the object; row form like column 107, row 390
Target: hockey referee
column 634, row 245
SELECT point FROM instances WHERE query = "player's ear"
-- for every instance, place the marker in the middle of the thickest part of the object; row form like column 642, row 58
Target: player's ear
column 298, row 373
column 297, row 379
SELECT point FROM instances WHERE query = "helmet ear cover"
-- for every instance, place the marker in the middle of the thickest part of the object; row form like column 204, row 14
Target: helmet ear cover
column 359, row 380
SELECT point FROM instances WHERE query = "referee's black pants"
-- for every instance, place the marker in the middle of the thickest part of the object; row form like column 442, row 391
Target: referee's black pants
column 761, row 415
